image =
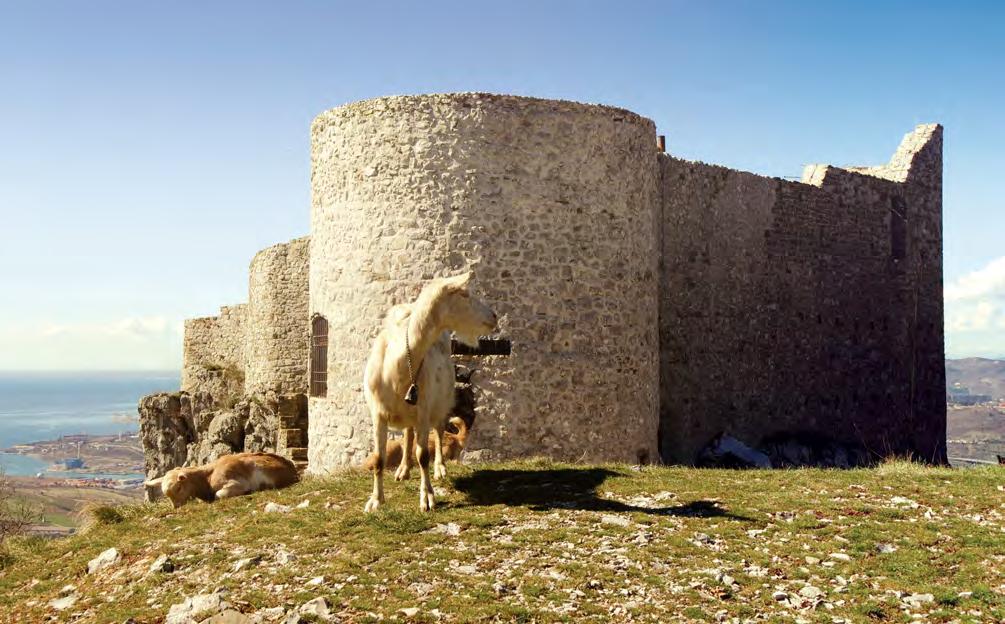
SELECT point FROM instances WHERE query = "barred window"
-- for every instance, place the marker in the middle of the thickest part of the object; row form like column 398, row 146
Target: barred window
column 319, row 356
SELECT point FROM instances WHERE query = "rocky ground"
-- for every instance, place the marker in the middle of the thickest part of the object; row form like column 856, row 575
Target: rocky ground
column 542, row 542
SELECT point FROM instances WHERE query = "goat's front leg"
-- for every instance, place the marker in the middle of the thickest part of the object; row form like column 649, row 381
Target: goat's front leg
column 379, row 441
column 230, row 489
column 426, row 501
column 439, row 470
column 407, row 455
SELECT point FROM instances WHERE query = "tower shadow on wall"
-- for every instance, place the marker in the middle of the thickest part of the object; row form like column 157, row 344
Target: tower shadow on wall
column 566, row 488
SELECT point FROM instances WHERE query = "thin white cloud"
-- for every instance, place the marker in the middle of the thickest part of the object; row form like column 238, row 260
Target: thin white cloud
column 988, row 281
column 128, row 343
column 980, row 316
column 975, row 312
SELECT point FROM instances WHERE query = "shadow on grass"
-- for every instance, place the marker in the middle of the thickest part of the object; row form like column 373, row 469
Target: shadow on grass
column 566, row 488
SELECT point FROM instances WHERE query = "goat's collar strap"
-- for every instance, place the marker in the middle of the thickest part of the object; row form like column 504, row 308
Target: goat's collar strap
column 412, row 395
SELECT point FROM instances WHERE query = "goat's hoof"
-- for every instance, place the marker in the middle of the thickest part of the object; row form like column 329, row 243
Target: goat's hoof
column 426, row 503
column 439, row 471
column 372, row 505
column 401, row 475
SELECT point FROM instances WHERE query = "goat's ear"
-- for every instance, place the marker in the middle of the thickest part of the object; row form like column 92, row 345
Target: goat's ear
column 182, row 476
column 154, row 482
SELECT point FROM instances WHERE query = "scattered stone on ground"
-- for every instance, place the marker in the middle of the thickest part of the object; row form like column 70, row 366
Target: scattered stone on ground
column 277, row 508
column 106, row 559
column 163, row 563
column 62, row 603
column 196, row 608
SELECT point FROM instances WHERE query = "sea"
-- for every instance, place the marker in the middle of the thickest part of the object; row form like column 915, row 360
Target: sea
column 43, row 406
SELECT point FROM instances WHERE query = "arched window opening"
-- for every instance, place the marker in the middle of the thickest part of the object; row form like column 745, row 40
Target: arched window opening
column 319, row 357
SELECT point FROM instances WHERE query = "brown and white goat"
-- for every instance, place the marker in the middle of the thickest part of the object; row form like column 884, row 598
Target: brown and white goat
column 453, row 444
column 231, row 475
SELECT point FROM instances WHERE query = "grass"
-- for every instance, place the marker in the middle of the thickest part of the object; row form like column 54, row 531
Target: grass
column 547, row 542
column 60, row 504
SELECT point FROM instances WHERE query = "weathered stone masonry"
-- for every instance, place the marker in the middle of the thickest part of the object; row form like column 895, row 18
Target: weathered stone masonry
column 532, row 195
column 651, row 302
column 276, row 341
column 786, row 307
column 244, row 374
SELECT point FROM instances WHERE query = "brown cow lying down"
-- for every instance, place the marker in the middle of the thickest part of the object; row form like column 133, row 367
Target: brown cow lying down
column 453, row 444
column 231, row 475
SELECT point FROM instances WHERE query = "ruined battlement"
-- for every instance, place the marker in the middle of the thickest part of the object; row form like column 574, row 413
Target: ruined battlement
column 648, row 303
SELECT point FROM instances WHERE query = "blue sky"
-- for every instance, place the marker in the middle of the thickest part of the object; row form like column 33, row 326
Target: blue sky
column 147, row 150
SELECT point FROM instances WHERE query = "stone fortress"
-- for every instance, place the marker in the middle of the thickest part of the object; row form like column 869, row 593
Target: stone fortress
column 647, row 303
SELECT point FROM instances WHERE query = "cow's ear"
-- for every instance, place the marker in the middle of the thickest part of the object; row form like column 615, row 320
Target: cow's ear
column 182, row 476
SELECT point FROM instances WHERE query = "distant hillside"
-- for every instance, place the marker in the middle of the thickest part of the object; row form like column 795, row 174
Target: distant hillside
column 977, row 376
column 976, row 431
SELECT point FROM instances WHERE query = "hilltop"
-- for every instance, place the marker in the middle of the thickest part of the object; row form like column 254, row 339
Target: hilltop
column 978, row 376
column 540, row 541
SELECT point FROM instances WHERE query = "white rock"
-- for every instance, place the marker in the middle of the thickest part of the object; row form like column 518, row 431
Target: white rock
column 317, row 580
column 615, row 520
column 466, row 569
column 812, row 560
column 272, row 614
column 811, row 592
column 304, row 504
column 65, row 590
column 886, row 548
column 247, row 562
column 62, row 603
column 196, row 608
column 162, row 564
column 317, row 607
column 230, row 616
column 277, row 508
column 423, row 589
column 900, row 500
column 780, row 596
column 840, row 557
column 727, row 579
column 409, row 612
column 285, row 557
column 916, row 600
column 106, row 559
column 449, row 528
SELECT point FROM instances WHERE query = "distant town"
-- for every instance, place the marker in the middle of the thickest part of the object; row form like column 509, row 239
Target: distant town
column 118, row 454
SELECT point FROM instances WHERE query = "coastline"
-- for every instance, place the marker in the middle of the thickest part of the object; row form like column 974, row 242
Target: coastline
column 103, row 457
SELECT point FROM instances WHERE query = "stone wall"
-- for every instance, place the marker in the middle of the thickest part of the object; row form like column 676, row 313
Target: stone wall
column 277, row 328
column 215, row 344
column 553, row 205
column 786, row 309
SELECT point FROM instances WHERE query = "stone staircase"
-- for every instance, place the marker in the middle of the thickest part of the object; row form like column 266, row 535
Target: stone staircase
column 291, row 435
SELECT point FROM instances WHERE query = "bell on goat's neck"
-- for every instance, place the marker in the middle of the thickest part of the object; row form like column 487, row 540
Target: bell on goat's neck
column 412, row 396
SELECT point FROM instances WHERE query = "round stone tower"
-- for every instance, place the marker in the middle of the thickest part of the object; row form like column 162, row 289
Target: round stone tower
column 553, row 205
column 277, row 320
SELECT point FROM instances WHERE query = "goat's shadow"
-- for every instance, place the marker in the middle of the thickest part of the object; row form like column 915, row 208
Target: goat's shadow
column 566, row 488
